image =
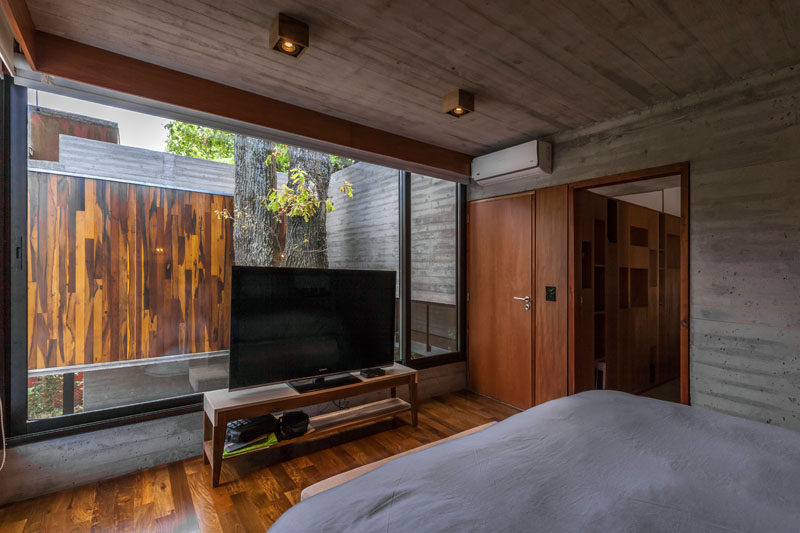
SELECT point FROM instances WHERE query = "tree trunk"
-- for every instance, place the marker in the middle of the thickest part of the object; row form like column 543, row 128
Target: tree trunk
column 255, row 233
column 307, row 242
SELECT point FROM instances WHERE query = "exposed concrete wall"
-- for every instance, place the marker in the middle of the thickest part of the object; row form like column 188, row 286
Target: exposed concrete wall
column 57, row 464
column 90, row 158
column 743, row 142
column 433, row 240
column 363, row 231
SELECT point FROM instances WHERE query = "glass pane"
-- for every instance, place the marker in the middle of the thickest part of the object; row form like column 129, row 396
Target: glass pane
column 321, row 211
column 434, row 316
column 133, row 224
column 363, row 231
column 128, row 262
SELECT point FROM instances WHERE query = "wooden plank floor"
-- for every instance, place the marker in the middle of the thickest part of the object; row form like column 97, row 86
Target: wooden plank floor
column 179, row 497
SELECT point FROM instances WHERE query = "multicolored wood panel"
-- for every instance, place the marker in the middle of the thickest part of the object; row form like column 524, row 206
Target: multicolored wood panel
column 120, row 271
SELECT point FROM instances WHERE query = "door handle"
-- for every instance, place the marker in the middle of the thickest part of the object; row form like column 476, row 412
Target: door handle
column 20, row 253
column 526, row 299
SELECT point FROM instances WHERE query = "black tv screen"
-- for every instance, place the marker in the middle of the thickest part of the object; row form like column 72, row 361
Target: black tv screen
column 297, row 323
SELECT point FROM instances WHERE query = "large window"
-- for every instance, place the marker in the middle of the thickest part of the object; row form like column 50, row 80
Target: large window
column 128, row 263
column 133, row 223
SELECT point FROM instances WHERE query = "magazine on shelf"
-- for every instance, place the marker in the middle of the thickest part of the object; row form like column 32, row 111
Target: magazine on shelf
column 262, row 441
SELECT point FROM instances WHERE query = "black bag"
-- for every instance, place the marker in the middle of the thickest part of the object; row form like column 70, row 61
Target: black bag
column 248, row 429
column 292, row 424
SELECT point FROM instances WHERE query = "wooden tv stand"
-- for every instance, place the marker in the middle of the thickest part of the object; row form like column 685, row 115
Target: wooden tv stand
column 223, row 406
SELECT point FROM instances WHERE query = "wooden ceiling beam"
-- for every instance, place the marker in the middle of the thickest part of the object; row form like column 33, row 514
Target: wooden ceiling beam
column 19, row 18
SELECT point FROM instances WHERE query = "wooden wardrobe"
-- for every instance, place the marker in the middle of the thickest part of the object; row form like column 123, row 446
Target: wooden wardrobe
column 627, row 288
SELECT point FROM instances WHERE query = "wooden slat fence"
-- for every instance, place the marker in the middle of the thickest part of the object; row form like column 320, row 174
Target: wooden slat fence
column 119, row 271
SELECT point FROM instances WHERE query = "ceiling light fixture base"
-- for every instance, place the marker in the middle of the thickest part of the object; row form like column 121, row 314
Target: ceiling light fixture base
column 459, row 103
column 288, row 35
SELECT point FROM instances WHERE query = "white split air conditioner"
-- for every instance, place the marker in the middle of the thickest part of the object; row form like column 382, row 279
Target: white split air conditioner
column 526, row 160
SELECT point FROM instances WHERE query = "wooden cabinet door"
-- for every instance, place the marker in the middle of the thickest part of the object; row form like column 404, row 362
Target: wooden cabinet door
column 669, row 299
column 500, row 237
column 638, row 324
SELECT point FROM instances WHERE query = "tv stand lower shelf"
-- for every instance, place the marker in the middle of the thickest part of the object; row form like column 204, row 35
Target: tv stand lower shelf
column 223, row 406
column 322, row 425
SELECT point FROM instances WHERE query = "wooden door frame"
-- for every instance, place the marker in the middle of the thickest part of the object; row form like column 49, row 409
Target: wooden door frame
column 681, row 169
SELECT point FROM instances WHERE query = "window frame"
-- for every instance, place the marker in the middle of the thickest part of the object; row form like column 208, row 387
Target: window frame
column 21, row 430
column 461, row 279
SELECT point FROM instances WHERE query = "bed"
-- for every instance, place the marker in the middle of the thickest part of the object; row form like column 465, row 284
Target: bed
column 596, row 461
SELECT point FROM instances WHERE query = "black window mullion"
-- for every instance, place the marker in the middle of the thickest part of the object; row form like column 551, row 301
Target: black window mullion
column 405, row 265
column 5, row 253
column 461, row 267
column 16, row 127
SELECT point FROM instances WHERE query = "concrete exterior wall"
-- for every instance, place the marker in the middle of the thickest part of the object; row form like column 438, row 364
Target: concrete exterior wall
column 90, row 158
column 433, row 240
column 743, row 142
column 363, row 232
column 57, row 464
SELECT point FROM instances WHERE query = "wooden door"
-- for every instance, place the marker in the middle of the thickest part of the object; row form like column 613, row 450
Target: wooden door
column 500, row 235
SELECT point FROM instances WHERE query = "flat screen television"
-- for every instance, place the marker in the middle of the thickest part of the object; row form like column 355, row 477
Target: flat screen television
column 300, row 323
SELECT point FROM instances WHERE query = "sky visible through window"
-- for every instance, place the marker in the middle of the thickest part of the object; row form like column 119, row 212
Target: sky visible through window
column 135, row 129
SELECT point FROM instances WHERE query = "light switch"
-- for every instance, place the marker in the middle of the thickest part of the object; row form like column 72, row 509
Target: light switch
column 550, row 294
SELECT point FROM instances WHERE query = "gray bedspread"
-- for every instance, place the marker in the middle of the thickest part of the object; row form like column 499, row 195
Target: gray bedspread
column 596, row 461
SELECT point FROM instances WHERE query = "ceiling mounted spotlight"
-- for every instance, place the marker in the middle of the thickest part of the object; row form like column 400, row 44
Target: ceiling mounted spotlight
column 458, row 103
column 288, row 35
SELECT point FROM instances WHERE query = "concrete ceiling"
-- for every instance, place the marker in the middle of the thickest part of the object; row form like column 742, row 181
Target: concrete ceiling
column 536, row 67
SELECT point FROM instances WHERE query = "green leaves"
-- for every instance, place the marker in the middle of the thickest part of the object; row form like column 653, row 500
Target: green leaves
column 280, row 157
column 217, row 145
column 293, row 202
column 338, row 162
column 198, row 141
column 298, row 198
column 347, row 188
column 298, row 176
